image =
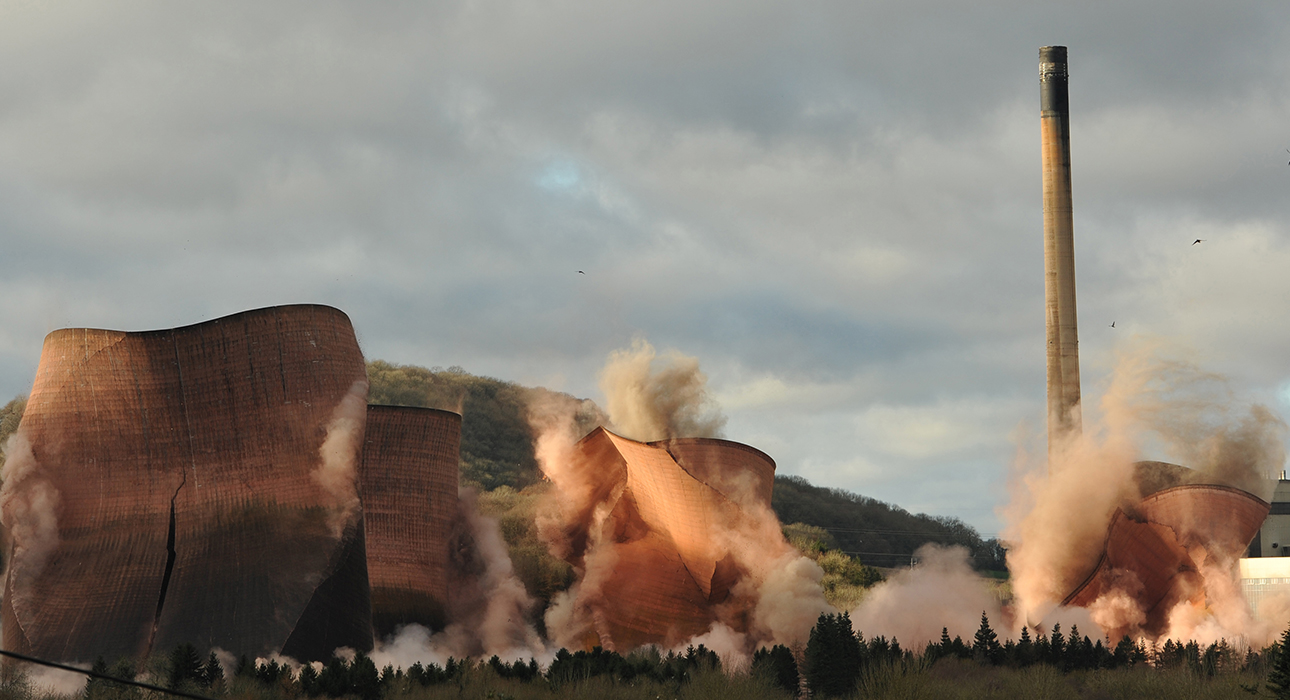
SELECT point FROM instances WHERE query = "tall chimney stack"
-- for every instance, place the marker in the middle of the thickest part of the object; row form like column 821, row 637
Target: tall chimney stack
column 1059, row 249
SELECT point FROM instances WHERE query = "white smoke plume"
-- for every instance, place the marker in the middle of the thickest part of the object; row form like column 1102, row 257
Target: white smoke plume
column 940, row 591
column 489, row 609
column 730, row 645
column 52, row 681
column 29, row 510
column 340, row 453
column 648, row 404
column 1059, row 513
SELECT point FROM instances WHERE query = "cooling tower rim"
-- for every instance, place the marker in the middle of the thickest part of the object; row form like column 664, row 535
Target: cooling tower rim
column 250, row 313
column 1202, row 487
column 691, row 440
column 714, row 441
column 1120, row 514
column 396, row 408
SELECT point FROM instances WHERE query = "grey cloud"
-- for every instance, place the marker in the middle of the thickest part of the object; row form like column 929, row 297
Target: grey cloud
column 841, row 197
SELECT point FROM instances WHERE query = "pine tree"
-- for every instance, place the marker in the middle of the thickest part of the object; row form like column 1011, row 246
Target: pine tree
column 947, row 646
column 1279, row 676
column 985, row 645
column 185, row 665
column 1074, row 651
column 212, row 672
column 1123, row 654
column 309, row 680
column 833, row 656
column 363, row 677
column 96, row 688
column 1025, row 648
column 778, row 664
column 1057, row 646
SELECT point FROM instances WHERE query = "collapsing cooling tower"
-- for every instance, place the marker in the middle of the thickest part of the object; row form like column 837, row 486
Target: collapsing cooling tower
column 409, row 486
column 1155, row 555
column 191, row 485
column 668, row 501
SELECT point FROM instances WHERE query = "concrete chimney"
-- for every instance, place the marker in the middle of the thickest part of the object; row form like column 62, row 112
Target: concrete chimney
column 1059, row 248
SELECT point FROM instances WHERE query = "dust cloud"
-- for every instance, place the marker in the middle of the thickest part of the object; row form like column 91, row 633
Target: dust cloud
column 777, row 596
column 1057, row 520
column 940, row 591
column 29, row 507
column 646, row 403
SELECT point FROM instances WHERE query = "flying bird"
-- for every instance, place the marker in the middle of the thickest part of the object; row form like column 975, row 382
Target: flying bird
column 581, row 272
column 1113, row 324
column 1198, row 240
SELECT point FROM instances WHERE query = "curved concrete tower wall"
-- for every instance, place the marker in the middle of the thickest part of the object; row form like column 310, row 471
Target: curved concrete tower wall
column 1154, row 556
column 191, row 485
column 409, row 485
column 741, row 473
column 670, row 573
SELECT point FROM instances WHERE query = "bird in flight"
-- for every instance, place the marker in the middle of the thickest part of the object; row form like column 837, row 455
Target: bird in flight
column 1113, row 324
column 581, row 272
column 1198, row 240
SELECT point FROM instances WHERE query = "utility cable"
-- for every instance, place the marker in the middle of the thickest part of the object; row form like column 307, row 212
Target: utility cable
column 102, row 676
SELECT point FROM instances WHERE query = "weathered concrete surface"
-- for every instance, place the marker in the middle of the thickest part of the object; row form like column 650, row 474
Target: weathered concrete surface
column 1155, row 554
column 669, row 502
column 191, row 485
column 409, row 483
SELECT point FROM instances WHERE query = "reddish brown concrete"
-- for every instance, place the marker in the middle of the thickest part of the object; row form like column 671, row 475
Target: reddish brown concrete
column 203, row 441
column 741, row 473
column 1155, row 554
column 409, row 488
column 669, row 499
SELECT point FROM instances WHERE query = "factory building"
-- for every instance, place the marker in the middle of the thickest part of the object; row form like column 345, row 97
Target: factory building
column 1265, row 572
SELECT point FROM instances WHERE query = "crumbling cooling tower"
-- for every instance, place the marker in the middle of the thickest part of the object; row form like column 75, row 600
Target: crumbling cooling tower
column 1154, row 556
column 409, row 486
column 668, row 501
column 191, row 485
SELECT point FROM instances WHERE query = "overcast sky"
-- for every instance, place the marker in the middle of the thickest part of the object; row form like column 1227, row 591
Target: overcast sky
column 835, row 206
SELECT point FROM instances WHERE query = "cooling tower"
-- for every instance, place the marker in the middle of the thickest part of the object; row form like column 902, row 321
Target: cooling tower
column 1154, row 555
column 191, row 485
column 666, row 500
column 409, row 483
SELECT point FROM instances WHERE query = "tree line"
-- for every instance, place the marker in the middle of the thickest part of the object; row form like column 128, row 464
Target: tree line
column 836, row 661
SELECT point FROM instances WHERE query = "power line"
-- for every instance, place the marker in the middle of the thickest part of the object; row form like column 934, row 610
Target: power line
column 103, row 676
column 982, row 535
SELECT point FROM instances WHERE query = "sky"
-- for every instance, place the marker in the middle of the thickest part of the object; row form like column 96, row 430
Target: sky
column 835, row 206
